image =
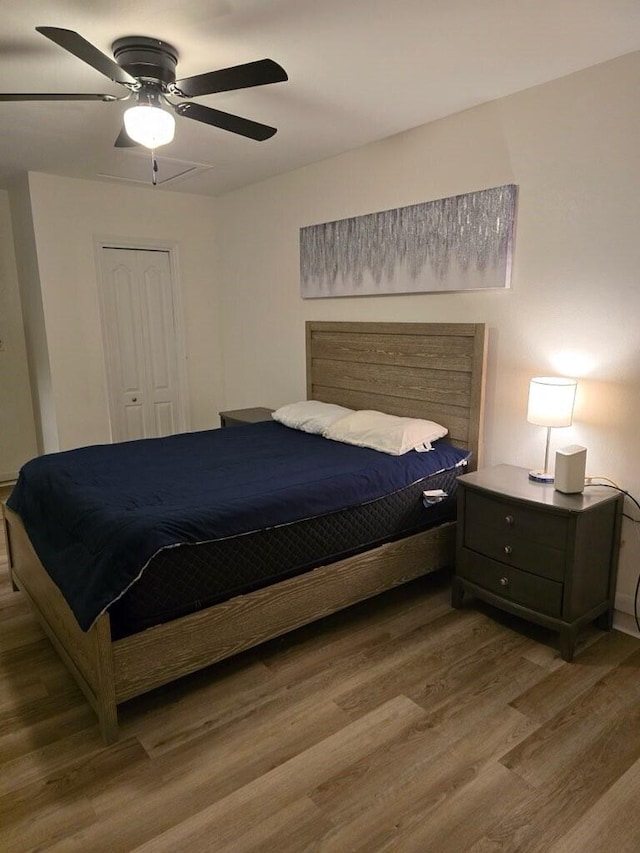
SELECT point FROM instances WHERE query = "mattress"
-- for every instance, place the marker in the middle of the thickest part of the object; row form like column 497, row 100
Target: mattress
column 188, row 578
column 98, row 516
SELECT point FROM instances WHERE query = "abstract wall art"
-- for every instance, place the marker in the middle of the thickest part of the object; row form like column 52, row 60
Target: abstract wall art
column 463, row 242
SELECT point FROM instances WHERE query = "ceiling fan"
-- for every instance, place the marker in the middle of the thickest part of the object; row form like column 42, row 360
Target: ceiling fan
column 147, row 68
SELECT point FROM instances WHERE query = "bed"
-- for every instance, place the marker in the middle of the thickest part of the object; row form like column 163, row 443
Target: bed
column 432, row 371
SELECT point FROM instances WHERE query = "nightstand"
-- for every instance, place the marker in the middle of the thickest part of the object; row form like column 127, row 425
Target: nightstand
column 244, row 416
column 548, row 557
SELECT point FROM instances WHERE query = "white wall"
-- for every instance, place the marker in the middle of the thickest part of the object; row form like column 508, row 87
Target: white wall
column 17, row 426
column 574, row 307
column 68, row 215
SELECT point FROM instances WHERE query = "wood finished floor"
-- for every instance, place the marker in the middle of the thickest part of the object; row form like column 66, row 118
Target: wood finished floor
column 401, row 725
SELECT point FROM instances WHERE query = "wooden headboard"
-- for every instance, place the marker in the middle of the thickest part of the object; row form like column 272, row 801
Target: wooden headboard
column 420, row 370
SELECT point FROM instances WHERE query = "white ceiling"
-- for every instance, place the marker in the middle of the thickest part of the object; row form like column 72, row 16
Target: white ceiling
column 359, row 70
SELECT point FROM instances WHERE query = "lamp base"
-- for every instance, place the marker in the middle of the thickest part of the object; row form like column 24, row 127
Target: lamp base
column 541, row 476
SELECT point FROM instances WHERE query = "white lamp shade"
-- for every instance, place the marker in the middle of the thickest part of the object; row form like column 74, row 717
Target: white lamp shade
column 150, row 126
column 551, row 400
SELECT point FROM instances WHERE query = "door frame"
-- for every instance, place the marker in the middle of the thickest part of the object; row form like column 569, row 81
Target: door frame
column 106, row 242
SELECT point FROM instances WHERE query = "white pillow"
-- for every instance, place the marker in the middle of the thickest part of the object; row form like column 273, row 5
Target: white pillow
column 310, row 415
column 386, row 433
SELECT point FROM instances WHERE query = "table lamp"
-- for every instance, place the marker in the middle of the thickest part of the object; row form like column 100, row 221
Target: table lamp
column 551, row 400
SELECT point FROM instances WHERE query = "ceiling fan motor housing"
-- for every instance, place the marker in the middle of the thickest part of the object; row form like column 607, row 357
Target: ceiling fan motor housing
column 147, row 58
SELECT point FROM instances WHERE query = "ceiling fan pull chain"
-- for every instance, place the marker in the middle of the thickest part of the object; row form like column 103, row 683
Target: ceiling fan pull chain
column 154, row 168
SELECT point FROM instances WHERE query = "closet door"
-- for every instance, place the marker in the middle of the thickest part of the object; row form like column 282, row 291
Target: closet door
column 139, row 323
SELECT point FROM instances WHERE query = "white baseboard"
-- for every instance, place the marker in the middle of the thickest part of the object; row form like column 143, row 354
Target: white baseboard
column 624, row 603
column 623, row 615
column 626, row 623
column 8, row 479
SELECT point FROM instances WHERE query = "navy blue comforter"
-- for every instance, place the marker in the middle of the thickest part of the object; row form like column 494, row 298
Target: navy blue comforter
column 97, row 515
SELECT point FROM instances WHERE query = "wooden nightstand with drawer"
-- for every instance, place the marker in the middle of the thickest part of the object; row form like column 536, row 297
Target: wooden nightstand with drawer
column 548, row 557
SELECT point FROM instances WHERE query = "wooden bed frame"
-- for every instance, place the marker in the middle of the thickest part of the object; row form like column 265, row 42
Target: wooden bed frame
column 429, row 370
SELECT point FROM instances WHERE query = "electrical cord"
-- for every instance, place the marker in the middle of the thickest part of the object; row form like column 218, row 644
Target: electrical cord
column 610, row 484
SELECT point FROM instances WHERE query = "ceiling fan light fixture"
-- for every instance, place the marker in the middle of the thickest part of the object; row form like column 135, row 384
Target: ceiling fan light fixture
column 148, row 123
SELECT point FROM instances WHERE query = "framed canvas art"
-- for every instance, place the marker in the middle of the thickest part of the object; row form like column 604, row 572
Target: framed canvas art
column 462, row 242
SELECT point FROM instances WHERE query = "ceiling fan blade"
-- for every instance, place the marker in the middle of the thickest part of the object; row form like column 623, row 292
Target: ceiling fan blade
column 250, row 74
column 226, row 121
column 58, row 96
column 125, row 141
column 84, row 50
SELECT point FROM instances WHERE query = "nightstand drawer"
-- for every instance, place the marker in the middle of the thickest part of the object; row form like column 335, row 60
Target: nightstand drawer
column 513, row 549
column 532, row 591
column 524, row 522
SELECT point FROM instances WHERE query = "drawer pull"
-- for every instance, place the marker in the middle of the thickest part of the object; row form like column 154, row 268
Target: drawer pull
column 508, row 550
column 509, row 520
column 504, row 581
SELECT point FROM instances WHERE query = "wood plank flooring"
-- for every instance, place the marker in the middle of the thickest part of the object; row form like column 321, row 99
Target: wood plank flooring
column 400, row 725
